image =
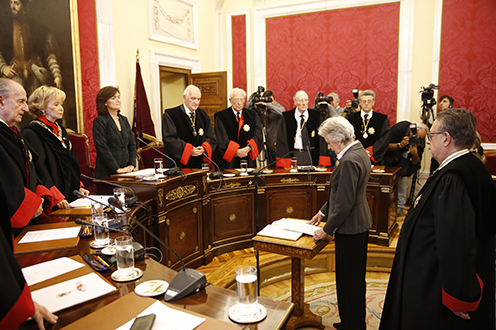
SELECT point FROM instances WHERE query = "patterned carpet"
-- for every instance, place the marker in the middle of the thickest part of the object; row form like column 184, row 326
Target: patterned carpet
column 322, row 300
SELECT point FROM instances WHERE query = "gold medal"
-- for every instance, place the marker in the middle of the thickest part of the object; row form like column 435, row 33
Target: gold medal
column 371, row 130
column 365, row 135
column 313, row 133
column 200, row 131
column 246, row 127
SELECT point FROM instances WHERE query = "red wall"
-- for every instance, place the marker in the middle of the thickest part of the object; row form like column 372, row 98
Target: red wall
column 468, row 60
column 89, row 66
column 239, row 51
column 335, row 51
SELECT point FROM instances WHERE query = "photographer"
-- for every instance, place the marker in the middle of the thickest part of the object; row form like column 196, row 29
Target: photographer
column 405, row 149
column 325, row 105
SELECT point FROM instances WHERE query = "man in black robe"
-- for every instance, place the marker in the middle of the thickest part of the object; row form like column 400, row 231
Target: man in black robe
column 27, row 200
column 298, row 134
column 371, row 128
column 187, row 131
column 20, row 201
column 238, row 132
column 443, row 271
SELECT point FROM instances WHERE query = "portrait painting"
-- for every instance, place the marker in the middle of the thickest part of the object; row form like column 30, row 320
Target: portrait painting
column 174, row 21
column 39, row 46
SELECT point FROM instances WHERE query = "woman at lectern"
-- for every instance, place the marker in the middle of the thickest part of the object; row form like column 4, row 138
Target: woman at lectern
column 114, row 140
column 56, row 163
column 348, row 219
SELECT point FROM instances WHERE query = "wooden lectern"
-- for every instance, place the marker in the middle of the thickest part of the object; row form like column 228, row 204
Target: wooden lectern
column 303, row 248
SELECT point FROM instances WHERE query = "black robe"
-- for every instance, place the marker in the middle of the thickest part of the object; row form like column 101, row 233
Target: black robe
column 56, row 166
column 446, row 245
column 228, row 141
column 179, row 141
column 287, row 133
column 377, row 140
column 16, row 305
column 20, row 201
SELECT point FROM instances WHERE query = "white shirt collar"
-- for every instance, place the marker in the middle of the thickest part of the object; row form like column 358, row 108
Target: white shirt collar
column 298, row 114
column 370, row 114
column 236, row 113
column 3, row 121
column 188, row 111
column 452, row 157
column 341, row 154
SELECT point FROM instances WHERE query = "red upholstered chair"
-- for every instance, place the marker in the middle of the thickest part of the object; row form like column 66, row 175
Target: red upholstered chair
column 81, row 148
column 490, row 161
column 147, row 154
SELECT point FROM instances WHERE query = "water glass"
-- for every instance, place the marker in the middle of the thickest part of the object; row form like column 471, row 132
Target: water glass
column 244, row 167
column 294, row 165
column 159, row 165
column 125, row 255
column 246, row 291
column 101, row 235
column 97, row 209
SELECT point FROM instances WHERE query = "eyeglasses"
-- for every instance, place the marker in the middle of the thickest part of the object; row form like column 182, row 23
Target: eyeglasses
column 429, row 135
column 367, row 101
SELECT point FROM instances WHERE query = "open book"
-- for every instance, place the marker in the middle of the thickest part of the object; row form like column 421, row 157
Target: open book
column 290, row 229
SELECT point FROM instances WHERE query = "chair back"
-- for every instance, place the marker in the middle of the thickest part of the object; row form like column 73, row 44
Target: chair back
column 146, row 155
column 81, row 148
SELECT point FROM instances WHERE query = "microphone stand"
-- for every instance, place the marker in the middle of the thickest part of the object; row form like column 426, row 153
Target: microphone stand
column 171, row 171
column 187, row 281
column 129, row 202
column 78, row 194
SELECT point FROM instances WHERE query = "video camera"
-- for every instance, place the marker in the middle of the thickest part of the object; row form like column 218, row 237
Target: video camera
column 258, row 97
column 320, row 105
column 428, row 95
column 355, row 101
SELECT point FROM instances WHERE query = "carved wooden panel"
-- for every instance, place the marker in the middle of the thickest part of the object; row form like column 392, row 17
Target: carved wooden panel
column 231, row 217
column 289, row 202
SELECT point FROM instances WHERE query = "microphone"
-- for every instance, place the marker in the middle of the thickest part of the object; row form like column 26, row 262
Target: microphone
column 256, row 173
column 171, row 171
column 187, row 281
column 215, row 174
column 129, row 201
column 85, row 223
column 78, row 194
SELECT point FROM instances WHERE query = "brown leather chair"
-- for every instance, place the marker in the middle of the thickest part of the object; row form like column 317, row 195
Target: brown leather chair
column 146, row 155
column 81, row 148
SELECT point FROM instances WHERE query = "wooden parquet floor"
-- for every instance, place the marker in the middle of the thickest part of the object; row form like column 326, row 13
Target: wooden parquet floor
column 220, row 271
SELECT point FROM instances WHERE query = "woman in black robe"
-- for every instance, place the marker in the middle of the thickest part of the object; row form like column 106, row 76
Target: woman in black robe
column 56, row 164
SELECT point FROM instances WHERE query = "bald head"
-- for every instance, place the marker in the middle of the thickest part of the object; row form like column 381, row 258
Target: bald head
column 13, row 100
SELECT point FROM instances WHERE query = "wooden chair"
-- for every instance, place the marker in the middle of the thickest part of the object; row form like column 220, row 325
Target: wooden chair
column 146, row 155
column 81, row 148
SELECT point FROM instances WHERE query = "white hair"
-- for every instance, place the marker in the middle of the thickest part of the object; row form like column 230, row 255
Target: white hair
column 299, row 93
column 337, row 129
column 189, row 88
column 237, row 90
column 334, row 96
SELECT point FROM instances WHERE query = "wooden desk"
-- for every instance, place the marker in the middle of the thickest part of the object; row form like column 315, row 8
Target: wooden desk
column 303, row 248
column 213, row 301
column 202, row 218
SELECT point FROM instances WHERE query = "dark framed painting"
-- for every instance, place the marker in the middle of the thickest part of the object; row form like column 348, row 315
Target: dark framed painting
column 39, row 45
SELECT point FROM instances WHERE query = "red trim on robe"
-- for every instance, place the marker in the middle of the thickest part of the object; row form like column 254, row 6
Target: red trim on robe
column 20, row 312
column 208, row 151
column 26, row 210
column 371, row 150
column 57, row 195
column 253, row 150
column 81, row 184
column 188, row 149
column 43, row 191
column 283, row 162
column 456, row 305
column 325, row 161
column 231, row 151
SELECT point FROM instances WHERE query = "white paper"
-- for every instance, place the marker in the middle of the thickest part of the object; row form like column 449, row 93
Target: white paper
column 300, row 226
column 145, row 172
column 85, row 202
column 50, row 234
column 46, row 270
column 168, row 318
column 66, row 294
column 279, row 232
